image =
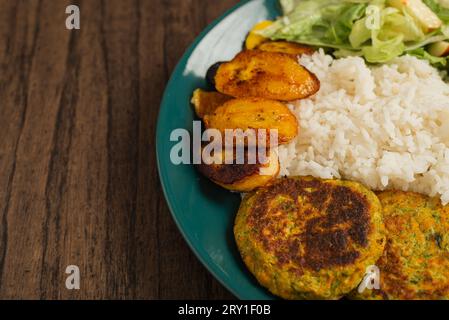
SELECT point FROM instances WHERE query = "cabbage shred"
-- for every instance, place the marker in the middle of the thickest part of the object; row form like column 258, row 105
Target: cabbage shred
column 343, row 27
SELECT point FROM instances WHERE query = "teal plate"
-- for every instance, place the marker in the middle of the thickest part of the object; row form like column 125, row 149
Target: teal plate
column 204, row 212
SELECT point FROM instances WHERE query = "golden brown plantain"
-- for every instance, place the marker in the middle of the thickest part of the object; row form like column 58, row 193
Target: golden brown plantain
column 269, row 75
column 253, row 39
column 257, row 114
column 207, row 102
column 242, row 177
column 285, row 47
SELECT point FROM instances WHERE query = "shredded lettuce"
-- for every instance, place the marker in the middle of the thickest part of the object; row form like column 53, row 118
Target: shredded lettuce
column 438, row 62
column 313, row 22
column 343, row 26
column 441, row 11
column 382, row 51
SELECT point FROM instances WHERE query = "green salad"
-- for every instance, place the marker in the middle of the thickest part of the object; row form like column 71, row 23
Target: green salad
column 378, row 30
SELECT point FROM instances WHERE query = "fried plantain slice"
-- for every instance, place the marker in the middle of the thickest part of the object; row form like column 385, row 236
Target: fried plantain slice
column 206, row 102
column 256, row 114
column 242, row 177
column 269, row 75
column 285, row 47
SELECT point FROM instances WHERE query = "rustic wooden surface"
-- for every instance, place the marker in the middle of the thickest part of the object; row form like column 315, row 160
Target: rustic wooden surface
column 78, row 179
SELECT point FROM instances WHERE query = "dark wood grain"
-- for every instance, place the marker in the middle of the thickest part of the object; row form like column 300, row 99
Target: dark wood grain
column 78, row 177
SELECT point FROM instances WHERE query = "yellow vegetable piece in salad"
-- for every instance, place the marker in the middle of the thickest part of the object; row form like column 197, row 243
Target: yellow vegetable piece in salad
column 254, row 40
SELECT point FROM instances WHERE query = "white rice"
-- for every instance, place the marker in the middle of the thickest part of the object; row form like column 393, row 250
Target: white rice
column 386, row 127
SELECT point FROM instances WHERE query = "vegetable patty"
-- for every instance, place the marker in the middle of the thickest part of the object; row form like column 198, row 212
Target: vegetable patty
column 415, row 264
column 305, row 238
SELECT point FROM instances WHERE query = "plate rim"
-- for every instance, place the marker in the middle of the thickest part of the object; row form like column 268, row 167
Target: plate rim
column 183, row 60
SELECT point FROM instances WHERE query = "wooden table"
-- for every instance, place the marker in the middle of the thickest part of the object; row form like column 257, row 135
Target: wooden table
column 78, row 178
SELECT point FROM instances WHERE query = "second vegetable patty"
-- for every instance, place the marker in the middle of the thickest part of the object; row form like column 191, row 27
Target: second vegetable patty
column 415, row 264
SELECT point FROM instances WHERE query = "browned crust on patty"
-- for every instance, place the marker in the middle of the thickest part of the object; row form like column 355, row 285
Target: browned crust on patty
column 333, row 228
